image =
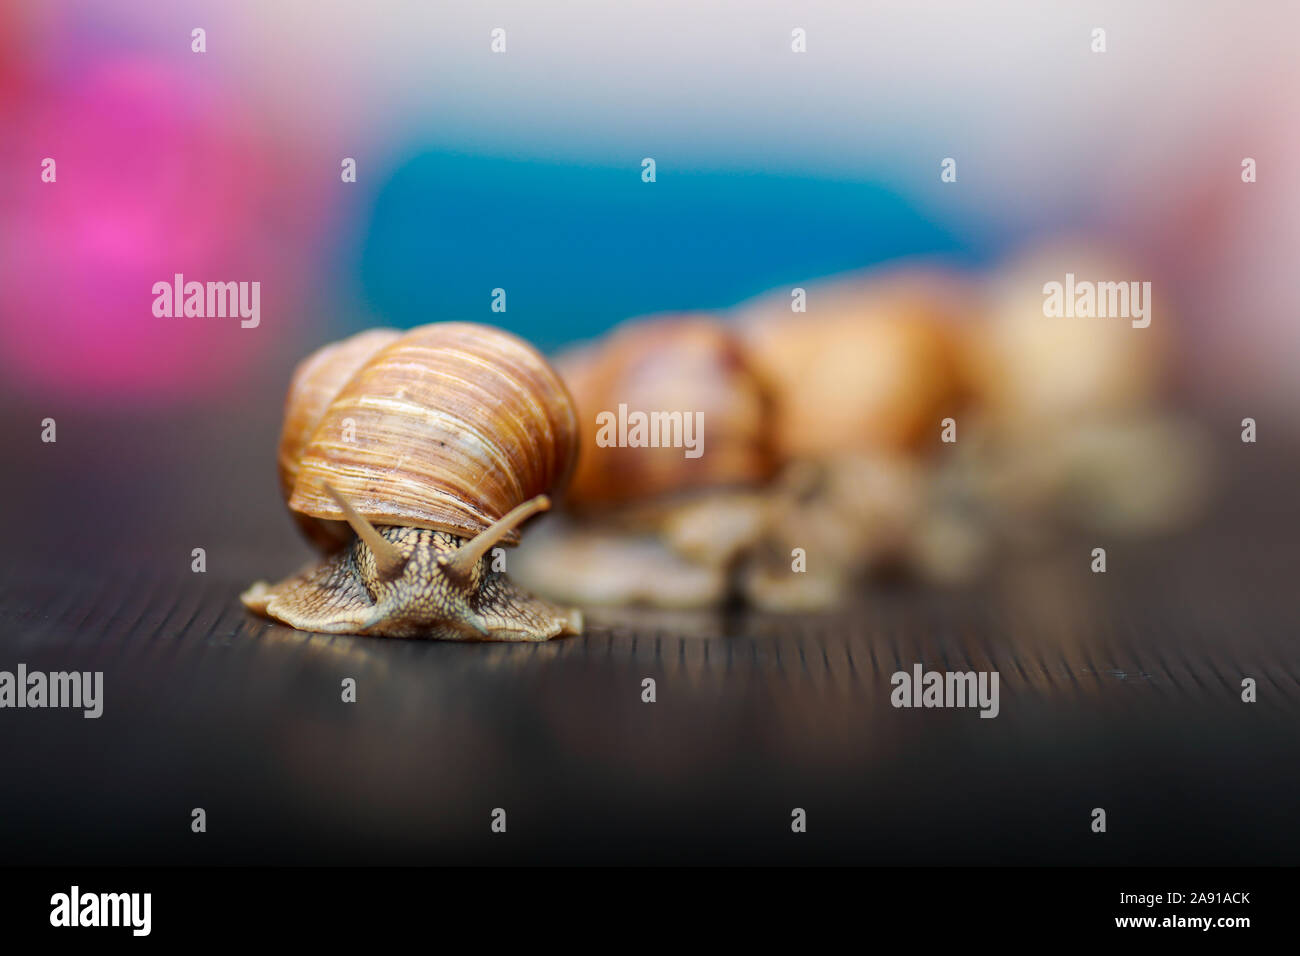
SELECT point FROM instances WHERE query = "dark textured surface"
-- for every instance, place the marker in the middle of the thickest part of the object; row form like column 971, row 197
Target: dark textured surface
column 1119, row 691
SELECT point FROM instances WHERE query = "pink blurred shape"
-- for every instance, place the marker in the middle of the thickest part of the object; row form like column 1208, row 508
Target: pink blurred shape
column 159, row 171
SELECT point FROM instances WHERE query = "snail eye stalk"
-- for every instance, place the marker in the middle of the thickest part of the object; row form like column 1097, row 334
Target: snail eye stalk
column 389, row 561
column 463, row 561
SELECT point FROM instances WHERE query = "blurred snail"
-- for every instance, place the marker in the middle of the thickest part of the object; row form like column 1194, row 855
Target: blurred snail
column 688, row 364
column 817, row 424
column 1074, row 438
column 651, row 521
column 1038, row 373
column 874, row 365
column 864, row 381
column 407, row 457
column 832, row 441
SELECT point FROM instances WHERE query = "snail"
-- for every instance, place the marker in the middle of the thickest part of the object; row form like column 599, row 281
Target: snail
column 688, row 364
column 406, row 458
column 864, row 380
column 650, row 522
column 841, row 404
column 1044, row 372
column 1076, row 438
column 831, row 442
column 874, row 364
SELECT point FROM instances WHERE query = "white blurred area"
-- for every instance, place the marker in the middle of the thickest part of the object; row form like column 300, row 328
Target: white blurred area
column 1140, row 146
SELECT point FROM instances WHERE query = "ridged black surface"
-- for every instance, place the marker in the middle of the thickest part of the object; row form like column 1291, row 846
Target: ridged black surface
column 1119, row 691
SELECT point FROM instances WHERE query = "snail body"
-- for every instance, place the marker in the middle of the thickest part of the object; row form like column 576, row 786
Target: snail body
column 434, row 447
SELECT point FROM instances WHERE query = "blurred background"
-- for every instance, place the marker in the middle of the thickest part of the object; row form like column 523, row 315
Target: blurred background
column 522, row 171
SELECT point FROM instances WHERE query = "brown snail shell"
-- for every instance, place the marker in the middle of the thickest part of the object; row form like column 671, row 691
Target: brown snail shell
column 447, row 428
column 316, row 381
column 688, row 364
column 436, row 446
column 650, row 525
column 874, row 365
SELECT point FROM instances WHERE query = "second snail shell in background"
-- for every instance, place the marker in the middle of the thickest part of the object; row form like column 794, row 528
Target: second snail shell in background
column 874, row 364
column 688, row 364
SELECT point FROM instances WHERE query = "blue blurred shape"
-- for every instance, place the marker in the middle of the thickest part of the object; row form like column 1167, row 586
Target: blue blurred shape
column 578, row 248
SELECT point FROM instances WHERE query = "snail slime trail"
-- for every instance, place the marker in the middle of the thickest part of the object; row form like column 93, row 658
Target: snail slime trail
column 406, row 458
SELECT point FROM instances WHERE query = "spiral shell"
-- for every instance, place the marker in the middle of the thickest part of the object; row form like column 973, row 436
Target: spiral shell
column 688, row 364
column 316, row 381
column 445, row 427
column 874, row 365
